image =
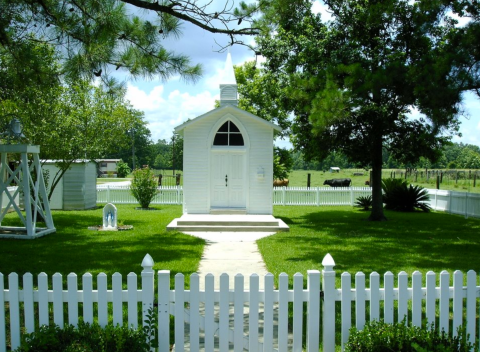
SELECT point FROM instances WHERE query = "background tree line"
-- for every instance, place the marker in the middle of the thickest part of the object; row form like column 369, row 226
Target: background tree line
column 454, row 156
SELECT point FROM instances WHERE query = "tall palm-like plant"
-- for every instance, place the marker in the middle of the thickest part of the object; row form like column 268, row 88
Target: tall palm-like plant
column 398, row 195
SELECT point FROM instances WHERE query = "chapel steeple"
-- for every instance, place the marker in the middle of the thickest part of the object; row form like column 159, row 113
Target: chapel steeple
column 228, row 84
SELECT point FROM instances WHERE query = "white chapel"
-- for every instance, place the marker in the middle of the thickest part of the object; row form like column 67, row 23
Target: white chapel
column 228, row 158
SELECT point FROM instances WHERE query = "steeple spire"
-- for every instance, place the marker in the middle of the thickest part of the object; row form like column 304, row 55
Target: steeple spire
column 228, row 85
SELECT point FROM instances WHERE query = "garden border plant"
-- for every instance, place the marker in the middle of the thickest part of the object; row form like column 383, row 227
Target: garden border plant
column 378, row 336
column 86, row 337
column 144, row 186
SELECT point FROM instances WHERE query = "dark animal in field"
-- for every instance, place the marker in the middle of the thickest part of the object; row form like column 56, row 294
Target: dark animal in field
column 280, row 183
column 358, row 174
column 338, row 182
column 367, row 183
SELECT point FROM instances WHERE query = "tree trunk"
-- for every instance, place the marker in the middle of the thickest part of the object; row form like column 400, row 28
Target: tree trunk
column 377, row 199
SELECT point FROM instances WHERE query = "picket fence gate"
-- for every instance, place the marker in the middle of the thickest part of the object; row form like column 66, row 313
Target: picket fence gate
column 238, row 319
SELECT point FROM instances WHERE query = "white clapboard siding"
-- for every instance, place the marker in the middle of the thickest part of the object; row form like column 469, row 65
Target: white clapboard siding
column 233, row 318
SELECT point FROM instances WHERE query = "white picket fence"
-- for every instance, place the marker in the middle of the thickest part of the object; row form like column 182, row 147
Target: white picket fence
column 233, row 318
column 461, row 203
column 318, row 196
column 122, row 194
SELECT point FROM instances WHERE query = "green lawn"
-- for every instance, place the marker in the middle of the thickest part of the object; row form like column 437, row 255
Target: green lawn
column 407, row 241
column 74, row 248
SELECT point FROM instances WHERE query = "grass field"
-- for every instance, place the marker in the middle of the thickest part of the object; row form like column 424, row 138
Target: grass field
column 75, row 248
column 298, row 178
column 406, row 242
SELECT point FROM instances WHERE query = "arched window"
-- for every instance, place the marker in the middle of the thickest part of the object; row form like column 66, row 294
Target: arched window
column 228, row 134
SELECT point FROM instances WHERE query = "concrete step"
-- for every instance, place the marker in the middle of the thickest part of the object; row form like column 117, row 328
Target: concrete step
column 227, row 223
column 223, row 228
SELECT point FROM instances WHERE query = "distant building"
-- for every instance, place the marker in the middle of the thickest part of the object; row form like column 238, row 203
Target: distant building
column 107, row 167
column 334, row 169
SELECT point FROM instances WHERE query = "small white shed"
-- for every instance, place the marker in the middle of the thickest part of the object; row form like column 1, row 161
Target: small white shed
column 77, row 190
column 228, row 157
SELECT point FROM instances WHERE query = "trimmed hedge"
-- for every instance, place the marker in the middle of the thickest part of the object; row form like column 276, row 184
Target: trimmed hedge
column 85, row 338
column 379, row 336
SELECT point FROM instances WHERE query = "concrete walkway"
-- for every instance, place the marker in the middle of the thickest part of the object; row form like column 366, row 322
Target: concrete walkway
column 231, row 253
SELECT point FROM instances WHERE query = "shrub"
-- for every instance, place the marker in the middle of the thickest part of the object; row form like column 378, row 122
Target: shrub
column 397, row 195
column 85, row 338
column 379, row 336
column 144, row 186
column 364, row 202
column 123, row 169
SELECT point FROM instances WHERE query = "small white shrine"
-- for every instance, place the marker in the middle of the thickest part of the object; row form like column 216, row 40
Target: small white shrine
column 110, row 218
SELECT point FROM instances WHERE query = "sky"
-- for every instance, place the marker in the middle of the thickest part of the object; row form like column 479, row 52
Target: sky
column 167, row 104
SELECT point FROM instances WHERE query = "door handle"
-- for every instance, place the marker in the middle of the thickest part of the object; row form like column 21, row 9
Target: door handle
column 226, row 180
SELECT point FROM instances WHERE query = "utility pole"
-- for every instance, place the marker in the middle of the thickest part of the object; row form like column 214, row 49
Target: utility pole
column 173, row 154
column 133, row 149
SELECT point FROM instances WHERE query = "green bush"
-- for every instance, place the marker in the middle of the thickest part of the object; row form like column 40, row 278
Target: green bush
column 364, row 202
column 398, row 195
column 379, row 336
column 85, row 338
column 123, row 169
column 144, row 186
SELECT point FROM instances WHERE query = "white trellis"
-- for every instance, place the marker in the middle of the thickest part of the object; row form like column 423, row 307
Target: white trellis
column 31, row 185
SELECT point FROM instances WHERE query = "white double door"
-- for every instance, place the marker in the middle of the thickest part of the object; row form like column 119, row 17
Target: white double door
column 228, row 179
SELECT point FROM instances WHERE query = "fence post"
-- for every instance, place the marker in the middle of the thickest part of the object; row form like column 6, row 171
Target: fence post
column 108, row 194
column 284, row 195
column 313, row 310
column 164, row 311
column 147, row 287
column 328, row 277
column 466, row 205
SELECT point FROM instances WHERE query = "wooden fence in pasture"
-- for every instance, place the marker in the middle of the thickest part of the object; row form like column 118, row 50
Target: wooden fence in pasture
column 290, row 317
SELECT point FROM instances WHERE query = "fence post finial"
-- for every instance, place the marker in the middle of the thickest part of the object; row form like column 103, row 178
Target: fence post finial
column 328, row 263
column 329, row 291
column 147, row 262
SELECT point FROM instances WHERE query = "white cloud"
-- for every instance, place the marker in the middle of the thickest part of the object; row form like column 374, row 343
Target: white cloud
column 320, row 7
column 164, row 113
column 143, row 101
